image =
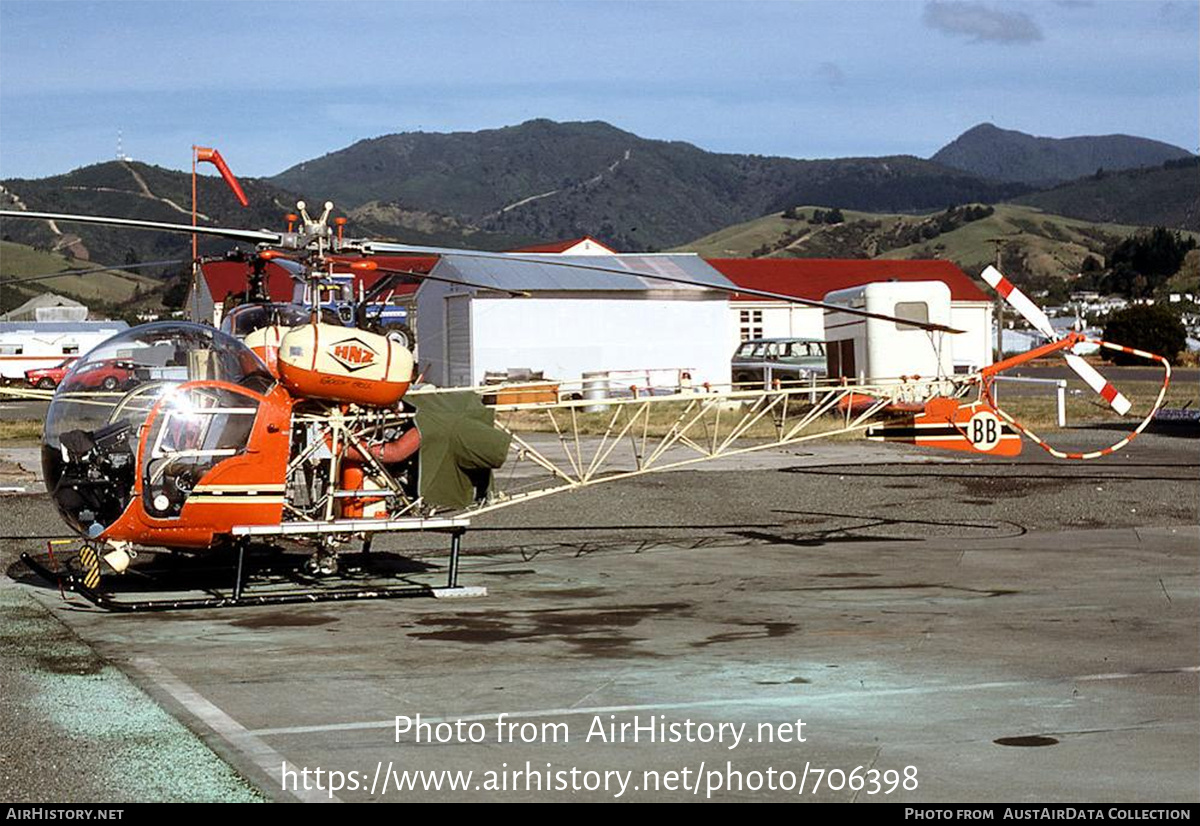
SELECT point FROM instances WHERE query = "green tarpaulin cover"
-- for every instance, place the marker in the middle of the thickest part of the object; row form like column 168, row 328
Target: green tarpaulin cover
column 460, row 446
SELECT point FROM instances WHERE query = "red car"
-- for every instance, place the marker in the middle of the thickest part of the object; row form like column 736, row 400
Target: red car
column 47, row 378
column 106, row 374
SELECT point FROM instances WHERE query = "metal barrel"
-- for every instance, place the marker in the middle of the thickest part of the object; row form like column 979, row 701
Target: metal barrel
column 595, row 388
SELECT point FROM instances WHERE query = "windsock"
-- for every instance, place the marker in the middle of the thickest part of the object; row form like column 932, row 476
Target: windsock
column 205, row 153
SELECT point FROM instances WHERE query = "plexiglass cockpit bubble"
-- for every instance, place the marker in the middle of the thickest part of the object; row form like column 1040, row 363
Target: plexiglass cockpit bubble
column 91, row 433
column 246, row 318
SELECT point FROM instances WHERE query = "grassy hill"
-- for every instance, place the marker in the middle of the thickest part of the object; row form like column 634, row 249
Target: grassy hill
column 101, row 291
column 1033, row 243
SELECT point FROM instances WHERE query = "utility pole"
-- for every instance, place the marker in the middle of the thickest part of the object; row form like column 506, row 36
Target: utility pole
column 998, row 350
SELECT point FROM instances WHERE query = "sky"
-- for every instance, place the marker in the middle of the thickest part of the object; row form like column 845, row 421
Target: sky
column 272, row 84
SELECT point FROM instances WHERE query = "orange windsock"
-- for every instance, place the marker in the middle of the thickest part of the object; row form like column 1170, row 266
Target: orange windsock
column 204, row 153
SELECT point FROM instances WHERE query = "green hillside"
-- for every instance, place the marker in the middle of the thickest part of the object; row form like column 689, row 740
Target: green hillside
column 542, row 181
column 545, row 180
column 1032, row 243
column 127, row 189
column 103, row 291
column 1166, row 195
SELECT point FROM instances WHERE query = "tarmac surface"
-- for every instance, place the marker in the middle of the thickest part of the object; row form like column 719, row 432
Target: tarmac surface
column 956, row 630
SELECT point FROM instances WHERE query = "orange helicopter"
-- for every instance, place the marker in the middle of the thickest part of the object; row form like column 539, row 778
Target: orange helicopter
column 303, row 429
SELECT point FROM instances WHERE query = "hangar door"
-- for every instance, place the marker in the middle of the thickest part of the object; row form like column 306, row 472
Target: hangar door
column 458, row 340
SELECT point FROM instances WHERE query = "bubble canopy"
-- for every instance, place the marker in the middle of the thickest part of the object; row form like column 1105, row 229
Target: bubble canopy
column 246, row 318
column 91, row 432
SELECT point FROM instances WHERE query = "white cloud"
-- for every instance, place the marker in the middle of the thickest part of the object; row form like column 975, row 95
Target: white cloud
column 981, row 22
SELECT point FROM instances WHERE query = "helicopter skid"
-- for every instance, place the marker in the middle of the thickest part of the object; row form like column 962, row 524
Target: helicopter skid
column 244, row 591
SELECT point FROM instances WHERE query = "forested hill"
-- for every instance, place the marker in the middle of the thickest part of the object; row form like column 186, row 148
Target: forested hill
column 1007, row 155
column 550, row 180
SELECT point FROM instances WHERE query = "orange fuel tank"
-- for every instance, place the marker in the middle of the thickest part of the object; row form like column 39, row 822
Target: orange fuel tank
column 344, row 364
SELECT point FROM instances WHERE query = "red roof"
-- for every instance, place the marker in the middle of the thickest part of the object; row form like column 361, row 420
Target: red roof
column 563, row 246
column 225, row 277
column 812, row 278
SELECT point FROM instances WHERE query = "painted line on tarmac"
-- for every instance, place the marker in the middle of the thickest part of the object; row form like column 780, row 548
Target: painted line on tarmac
column 227, row 728
column 738, row 701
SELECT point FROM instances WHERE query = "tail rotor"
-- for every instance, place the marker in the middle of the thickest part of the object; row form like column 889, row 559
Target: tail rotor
column 1041, row 322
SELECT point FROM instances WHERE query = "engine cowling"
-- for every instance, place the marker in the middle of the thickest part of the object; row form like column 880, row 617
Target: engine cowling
column 344, row 364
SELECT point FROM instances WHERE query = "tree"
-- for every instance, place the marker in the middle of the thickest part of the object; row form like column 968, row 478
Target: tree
column 1157, row 255
column 1187, row 279
column 176, row 293
column 1154, row 328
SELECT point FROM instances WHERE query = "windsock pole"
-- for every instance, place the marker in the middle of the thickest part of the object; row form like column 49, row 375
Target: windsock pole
column 195, row 244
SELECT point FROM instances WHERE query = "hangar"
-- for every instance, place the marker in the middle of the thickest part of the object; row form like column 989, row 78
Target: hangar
column 48, row 307
column 563, row 321
column 812, row 278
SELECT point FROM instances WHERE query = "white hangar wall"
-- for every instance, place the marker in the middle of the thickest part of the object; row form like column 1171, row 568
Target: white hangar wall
column 567, row 315
column 461, row 336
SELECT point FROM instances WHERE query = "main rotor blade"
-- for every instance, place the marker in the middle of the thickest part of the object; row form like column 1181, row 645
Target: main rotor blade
column 375, row 247
column 92, row 271
column 376, row 292
column 250, row 235
column 1020, row 302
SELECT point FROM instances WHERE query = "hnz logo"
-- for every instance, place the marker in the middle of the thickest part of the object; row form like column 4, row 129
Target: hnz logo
column 353, row 354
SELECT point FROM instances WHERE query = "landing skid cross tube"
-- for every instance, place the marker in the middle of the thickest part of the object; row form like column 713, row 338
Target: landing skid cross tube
column 241, row 592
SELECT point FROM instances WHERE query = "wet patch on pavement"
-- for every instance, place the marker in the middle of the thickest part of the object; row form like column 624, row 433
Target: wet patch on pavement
column 589, row 633
column 1026, row 741
column 282, row 619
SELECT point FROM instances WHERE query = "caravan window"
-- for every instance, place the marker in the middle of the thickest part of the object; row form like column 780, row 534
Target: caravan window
column 913, row 311
column 11, row 350
column 70, row 349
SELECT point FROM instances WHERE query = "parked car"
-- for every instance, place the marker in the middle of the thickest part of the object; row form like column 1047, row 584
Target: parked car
column 785, row 359
column 105, row 374
column 48, row 378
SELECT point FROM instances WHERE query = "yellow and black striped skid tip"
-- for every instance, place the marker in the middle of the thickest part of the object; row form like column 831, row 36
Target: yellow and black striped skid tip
column 89, row 559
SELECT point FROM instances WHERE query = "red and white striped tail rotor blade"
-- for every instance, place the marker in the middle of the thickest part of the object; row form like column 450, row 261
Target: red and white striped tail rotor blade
column 1098, row 383
column 1034, row 315
column 1020, row 302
